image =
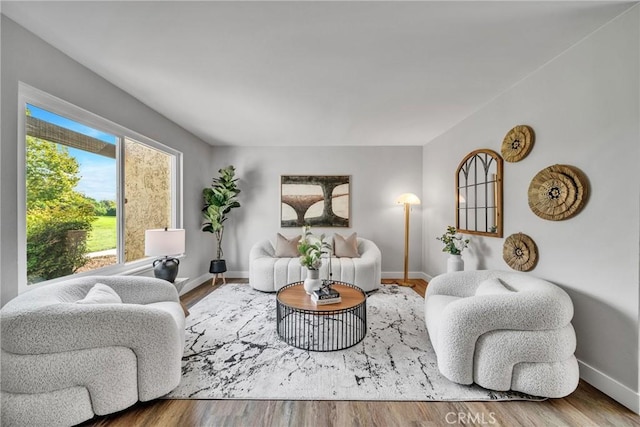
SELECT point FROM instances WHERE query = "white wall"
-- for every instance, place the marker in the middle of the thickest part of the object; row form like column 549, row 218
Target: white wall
column 29, row 59
column 584, row 109
column 378, row 176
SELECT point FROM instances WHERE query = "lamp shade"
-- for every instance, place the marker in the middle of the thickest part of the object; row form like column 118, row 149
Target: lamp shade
column 164, row 242
column 409, row 198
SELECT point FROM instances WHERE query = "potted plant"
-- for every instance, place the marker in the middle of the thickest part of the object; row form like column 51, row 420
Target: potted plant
column 218, row 202
column 311, row 249
column 454, row 244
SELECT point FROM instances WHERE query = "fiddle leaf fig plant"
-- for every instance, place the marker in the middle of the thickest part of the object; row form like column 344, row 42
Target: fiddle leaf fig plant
column 218, row 202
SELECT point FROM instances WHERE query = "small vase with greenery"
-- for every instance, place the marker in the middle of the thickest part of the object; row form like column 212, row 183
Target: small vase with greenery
column 218, row 202
column 454, row 244
column 311, row 249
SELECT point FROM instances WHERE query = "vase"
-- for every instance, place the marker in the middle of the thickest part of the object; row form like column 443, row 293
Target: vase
column 312, row 282
column 455, row 263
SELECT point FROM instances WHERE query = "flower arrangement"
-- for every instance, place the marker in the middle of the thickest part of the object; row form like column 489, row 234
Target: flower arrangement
column 453, row 241
column 311, row 249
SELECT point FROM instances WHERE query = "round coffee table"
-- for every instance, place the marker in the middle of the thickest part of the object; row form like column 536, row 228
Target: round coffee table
column 330, row 327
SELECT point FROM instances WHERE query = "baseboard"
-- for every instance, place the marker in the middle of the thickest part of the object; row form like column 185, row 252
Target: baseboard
column 195, row 282
column 610, row 387
column 400, row 274
column 237, row 274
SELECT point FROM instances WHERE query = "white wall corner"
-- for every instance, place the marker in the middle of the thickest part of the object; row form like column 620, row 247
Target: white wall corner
column 610, row 387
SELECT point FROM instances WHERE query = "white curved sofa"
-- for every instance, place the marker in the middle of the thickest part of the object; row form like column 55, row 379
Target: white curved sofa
column 503, row 331
column 268, row 273
column 64, row 362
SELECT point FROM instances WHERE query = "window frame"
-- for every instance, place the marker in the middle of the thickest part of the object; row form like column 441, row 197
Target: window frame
column 30, row 95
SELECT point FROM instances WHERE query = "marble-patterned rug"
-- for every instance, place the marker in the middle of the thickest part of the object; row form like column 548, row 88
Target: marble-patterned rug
column 233, row 352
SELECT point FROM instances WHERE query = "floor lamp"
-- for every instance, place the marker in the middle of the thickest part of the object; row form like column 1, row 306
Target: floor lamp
column 407, row 199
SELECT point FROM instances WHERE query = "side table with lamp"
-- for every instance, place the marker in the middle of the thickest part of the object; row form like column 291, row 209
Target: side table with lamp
column 165, row 243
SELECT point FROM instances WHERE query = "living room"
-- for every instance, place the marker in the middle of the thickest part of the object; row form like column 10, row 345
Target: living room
column 578, row 88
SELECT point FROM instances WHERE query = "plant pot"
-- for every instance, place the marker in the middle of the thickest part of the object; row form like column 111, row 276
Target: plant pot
column 455, row 263
column 312, row 282
column 218, row 266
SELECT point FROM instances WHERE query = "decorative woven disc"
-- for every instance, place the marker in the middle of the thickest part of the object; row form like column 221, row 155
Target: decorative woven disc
column 520, row 252
column 557, row 192
column 517, row 143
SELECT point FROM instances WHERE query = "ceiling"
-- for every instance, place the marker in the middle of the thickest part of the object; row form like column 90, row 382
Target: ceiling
column 313, row 73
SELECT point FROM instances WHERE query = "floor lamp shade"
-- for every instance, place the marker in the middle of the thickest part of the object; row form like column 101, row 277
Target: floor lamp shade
column 165, row 242
column 407, row 199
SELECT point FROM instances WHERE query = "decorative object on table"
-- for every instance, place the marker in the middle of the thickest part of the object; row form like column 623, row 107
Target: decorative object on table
column 325, row 295
column 517, row 143
column 263, row 366
column 311, row 249
column 218, row 202
column 520, row 252
column 454, row 244
column 406, row 199
column 478, row 195
column 317, row 200
column 165, row 242
column 558, row 192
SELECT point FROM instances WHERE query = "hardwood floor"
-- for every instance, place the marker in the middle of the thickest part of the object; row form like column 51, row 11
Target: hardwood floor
column 585, row 407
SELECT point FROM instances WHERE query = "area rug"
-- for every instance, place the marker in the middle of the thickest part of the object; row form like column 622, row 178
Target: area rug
column 233, row 352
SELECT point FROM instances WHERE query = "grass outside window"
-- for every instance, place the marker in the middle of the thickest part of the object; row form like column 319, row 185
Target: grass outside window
column 103, row 234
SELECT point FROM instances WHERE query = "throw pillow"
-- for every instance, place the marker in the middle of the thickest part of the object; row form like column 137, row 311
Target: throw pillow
column 345, row 248
column 100, row 294
column 492, row 287
column 287, row 248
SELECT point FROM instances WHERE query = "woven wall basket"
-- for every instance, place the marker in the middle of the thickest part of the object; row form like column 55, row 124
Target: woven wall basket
column 558, row 192
column 520, row 252
column 517, row 143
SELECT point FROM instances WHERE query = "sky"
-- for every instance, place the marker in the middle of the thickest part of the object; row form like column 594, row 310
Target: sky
column 98, row 172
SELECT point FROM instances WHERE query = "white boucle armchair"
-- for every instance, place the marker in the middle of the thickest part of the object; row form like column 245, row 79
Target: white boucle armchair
column 268, row 273
column 503, row 331
column 64, row 362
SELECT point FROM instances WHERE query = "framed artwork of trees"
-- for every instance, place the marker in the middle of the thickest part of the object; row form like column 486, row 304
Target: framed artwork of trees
column 315, row 200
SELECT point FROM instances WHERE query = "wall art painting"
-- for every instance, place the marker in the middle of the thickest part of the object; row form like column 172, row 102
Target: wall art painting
column 315, row 200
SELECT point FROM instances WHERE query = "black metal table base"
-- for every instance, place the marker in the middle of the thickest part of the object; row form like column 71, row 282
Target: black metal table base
column 322, row 330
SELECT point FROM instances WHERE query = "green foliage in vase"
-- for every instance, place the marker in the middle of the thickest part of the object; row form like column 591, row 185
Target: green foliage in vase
column 311, row 249
column 453, row 241
column 218, row 202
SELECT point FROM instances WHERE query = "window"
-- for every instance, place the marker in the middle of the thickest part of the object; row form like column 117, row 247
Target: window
column 90, row 190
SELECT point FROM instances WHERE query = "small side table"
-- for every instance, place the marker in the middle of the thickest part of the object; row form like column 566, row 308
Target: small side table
column 179, row 284
column 331, row 327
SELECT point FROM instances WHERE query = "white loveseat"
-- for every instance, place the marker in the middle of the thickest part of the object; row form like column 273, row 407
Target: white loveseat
column 63, row 362
column 268, row 273
column 503, row 331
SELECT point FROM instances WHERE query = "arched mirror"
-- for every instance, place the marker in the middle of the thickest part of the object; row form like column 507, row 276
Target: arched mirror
column 479, row 194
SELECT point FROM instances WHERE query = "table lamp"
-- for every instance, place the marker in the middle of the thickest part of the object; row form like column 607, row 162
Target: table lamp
column 407, row 199
column 164, row 243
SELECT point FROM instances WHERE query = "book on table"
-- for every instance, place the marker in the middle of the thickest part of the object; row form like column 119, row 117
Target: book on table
column 325, row 295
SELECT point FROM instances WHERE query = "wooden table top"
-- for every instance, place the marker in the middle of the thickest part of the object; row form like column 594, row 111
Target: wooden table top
column 296, row 297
